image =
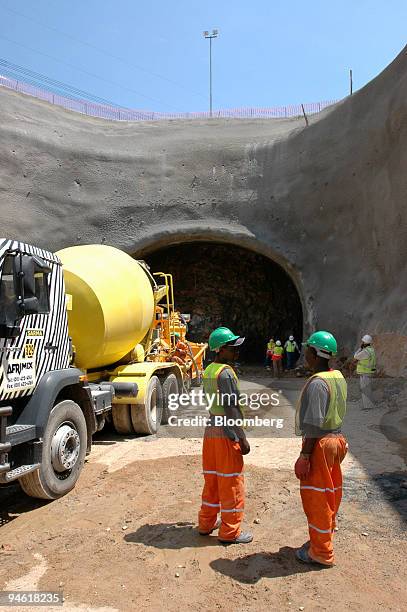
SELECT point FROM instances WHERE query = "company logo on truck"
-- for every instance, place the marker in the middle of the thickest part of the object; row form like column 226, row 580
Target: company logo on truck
column 20, row 374
column 17, row 368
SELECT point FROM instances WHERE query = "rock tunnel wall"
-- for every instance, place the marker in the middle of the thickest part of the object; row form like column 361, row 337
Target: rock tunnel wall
column 326, row 202
column 226, row 285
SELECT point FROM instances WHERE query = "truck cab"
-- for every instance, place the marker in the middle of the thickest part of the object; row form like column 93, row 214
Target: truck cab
column 36, row 380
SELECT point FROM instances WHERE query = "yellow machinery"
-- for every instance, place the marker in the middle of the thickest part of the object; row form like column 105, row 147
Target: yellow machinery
column 124, row 328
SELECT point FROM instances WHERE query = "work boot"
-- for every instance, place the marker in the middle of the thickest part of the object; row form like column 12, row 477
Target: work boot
column 205, row 533
column 243, row 538
column 302, row 555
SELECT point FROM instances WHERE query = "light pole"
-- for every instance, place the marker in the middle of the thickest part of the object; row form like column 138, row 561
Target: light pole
column 214, row 34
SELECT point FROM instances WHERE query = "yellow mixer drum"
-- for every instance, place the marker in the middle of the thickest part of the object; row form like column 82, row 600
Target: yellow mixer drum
column 112, row 304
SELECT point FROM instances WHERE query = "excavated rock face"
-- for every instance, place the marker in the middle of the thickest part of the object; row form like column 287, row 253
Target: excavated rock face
column 327, row 202
column 227, row 285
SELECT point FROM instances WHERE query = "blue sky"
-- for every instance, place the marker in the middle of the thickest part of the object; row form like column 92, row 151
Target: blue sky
column 153, row 55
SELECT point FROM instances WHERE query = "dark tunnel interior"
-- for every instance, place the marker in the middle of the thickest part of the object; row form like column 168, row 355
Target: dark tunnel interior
column 223, row 284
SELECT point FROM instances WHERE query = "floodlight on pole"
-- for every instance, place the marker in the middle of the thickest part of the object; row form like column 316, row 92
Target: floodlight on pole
column 214, row 34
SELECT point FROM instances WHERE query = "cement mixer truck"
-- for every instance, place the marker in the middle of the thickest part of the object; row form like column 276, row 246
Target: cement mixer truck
column 87, row 336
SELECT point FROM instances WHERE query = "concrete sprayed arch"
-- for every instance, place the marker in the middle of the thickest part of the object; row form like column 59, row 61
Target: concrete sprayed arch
column 269, row 294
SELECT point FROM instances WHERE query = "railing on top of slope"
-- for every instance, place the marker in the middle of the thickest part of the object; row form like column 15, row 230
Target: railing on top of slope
column 113, row 113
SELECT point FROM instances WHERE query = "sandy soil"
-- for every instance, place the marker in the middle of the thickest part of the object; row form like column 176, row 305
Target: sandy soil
column 125, row 538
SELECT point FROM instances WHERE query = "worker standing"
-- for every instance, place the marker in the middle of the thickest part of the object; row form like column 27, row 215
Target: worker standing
column 269, row 353
column 366, row 367
column 277, row 359
column 223, row 445
column 290, row 348
column 319, row 416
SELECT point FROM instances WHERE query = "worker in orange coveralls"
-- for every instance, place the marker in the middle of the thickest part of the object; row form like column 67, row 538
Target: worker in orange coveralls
column 181, row 351
column 319, row 416
column 223, row 444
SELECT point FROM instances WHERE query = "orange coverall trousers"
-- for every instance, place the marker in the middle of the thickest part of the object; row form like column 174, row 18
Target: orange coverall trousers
column 223, row 490
column 321, row 495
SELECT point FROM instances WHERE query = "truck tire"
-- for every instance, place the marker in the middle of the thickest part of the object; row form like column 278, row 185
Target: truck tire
column 63, row 453
column 121, row 417
column 170, row 387
column 146, row 418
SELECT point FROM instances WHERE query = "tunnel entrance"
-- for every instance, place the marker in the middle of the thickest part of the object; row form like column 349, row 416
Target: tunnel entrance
column 223, row 284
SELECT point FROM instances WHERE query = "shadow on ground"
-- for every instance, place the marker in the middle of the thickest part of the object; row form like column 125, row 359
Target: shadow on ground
column 17, row 502
column 252, row 568
column 171, row 536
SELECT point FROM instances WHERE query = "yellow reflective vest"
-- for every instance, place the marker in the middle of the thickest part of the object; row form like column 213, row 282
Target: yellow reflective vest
column 210, row 385
column 338, row 391
column 367, row 365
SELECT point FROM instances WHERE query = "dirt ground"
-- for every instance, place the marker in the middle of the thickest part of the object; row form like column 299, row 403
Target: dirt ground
column 125, row 538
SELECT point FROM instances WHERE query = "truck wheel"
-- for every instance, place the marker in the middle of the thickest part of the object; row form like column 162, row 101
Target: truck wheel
column 63, row 453
column 147, row 418
column 170, row 387
column 121, row 416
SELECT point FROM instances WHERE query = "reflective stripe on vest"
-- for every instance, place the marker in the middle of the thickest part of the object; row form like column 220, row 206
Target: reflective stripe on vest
column 278, row 350
column 290, row 348
column 368, row 365
column 210, row 385
column 338, row 390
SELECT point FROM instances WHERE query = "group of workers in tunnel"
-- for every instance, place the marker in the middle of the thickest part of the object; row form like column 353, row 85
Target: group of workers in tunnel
column 279, row 356
column 318, row 420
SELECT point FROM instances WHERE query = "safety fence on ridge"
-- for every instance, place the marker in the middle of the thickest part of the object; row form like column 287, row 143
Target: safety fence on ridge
column 114, row 113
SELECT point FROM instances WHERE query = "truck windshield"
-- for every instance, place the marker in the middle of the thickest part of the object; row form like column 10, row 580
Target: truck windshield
column 8, row 297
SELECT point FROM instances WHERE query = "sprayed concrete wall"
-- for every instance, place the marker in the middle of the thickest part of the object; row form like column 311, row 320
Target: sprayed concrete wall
column 327, row 202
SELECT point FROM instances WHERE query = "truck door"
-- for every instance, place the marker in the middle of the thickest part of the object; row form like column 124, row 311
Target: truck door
column 33, row 326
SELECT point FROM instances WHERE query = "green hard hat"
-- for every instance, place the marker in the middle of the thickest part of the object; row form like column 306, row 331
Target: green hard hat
column 221, row 336
column 324, row 341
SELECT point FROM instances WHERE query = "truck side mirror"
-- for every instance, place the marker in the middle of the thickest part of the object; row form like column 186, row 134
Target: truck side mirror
column 25, row 273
